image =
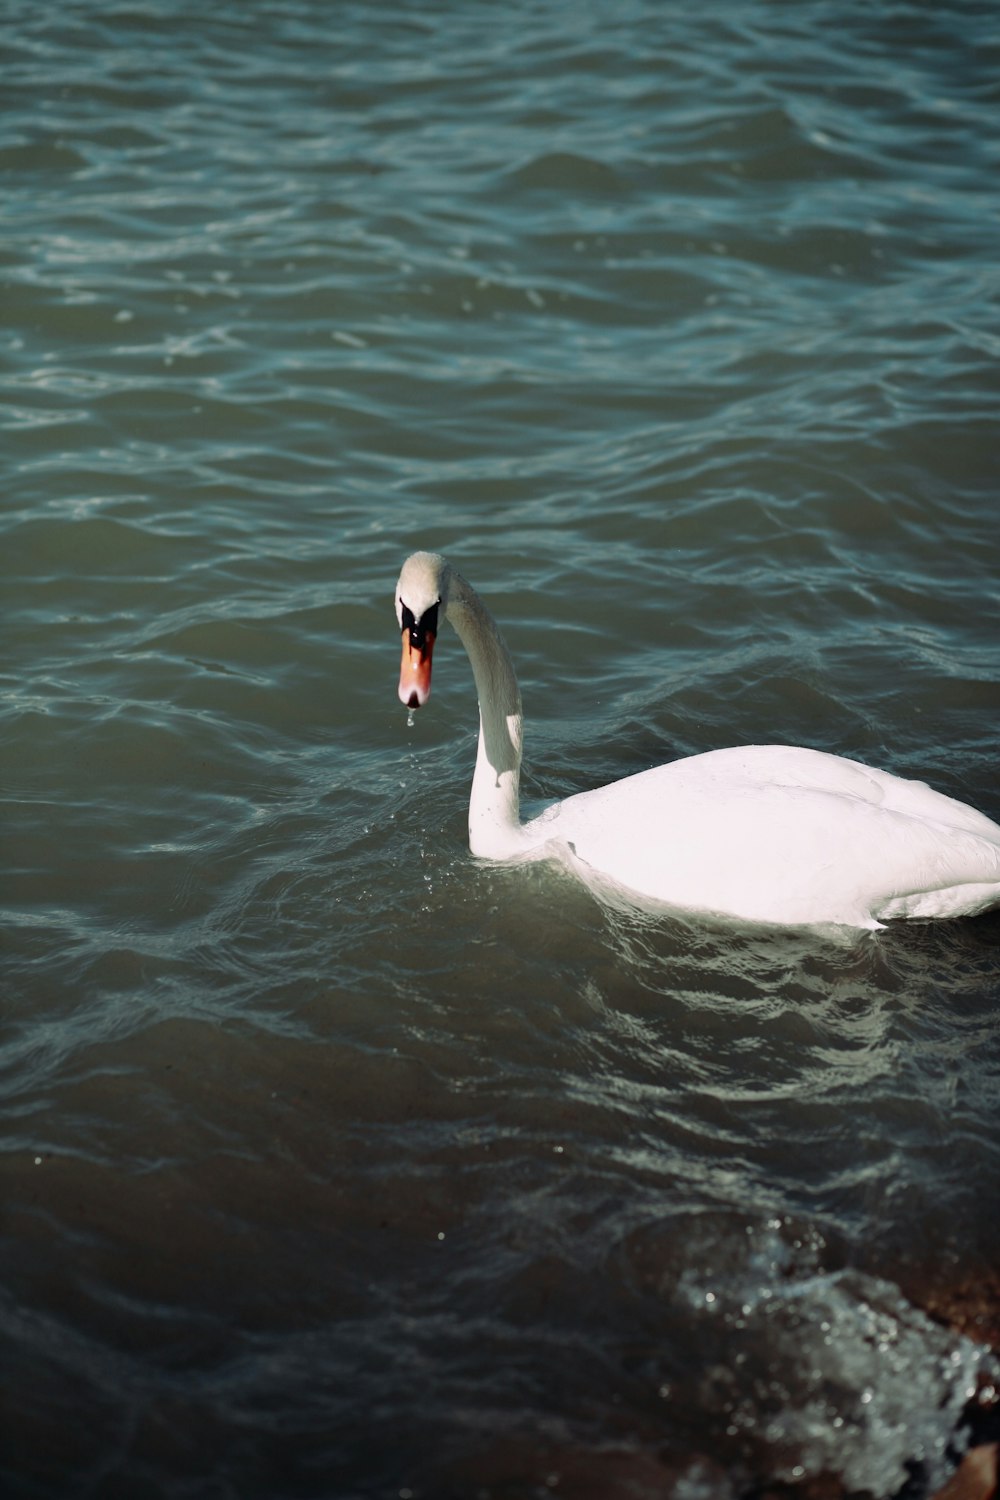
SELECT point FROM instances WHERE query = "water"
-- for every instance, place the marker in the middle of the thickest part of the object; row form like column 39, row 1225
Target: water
column 335, row 1162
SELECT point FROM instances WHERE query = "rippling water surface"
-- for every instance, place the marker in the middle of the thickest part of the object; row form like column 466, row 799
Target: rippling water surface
column 334, row 1162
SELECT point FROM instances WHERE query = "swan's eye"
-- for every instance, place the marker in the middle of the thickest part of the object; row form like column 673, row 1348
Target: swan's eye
column 406, row 616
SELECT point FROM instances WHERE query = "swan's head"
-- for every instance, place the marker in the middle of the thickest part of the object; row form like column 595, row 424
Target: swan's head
column 421, row 596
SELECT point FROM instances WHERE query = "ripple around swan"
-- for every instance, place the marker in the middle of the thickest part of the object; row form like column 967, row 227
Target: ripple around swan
column 334, row 1160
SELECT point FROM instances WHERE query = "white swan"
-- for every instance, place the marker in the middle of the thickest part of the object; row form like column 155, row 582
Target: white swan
column 766, row 833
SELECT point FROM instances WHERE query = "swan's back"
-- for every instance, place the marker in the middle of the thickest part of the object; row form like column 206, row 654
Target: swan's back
column 774, row 833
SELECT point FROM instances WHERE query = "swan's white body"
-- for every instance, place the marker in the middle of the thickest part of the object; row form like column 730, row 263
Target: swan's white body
column 766, row 833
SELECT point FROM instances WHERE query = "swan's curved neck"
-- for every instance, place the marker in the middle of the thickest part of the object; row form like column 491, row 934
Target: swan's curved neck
column 494, row 816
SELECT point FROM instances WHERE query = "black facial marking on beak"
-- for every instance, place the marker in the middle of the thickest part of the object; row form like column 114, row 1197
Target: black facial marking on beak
column 419, row 630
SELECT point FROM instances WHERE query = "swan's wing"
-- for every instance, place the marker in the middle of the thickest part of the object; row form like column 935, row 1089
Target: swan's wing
column 790, row 765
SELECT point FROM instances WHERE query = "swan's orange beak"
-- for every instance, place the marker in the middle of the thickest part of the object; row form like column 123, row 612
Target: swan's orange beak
column 415, row 668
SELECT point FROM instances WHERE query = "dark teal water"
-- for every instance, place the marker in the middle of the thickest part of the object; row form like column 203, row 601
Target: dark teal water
column 335, row 1163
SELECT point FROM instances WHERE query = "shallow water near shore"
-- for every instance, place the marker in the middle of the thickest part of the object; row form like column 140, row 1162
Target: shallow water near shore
column 335, row 1162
